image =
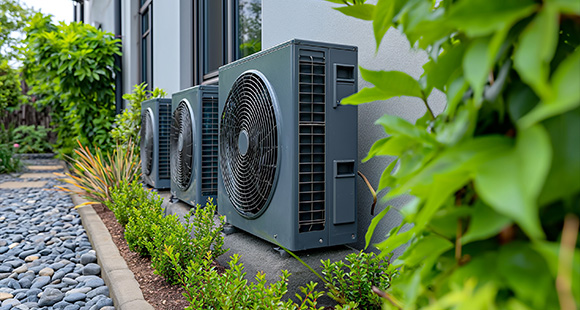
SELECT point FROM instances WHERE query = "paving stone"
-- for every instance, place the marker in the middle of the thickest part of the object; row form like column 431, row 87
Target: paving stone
column 14, row 185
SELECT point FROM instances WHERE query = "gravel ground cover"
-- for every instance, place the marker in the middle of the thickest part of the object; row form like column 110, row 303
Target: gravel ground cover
column 46, row 260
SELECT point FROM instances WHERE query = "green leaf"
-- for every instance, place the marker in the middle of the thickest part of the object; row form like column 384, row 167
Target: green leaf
column 377, row 149
column 365, row 95
column 374, row 222
column 510, row 181
column 484, row 17
column 532, row 58
column 566, row 96
column 393, row 83
column 382, row 19
column 562, row 181
column 360, row 11
column 460, row 159
column 551, row 252
column 397, row 126
column 440, row 71
column 426, row 247
column 395, row 241
column 565, row 6
column 476, row 65
column 485, row 223
column 386, row 178
column 520, row 267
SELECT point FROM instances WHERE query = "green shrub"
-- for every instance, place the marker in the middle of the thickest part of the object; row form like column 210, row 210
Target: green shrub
column 206, row 288
column 128, row 124
column 353, row 281
column 126, row 197
column 199, row 224
column 145, row 222
column 70, row 67
column 8, row 162
column 10, row 90
column 32, row 139
column 494, row 177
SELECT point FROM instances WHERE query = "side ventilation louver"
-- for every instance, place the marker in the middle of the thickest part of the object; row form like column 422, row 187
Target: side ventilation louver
column 209, row 146
column 311, row 135
column 164, row 140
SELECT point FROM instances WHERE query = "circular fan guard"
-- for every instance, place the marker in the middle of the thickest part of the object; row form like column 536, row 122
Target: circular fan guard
column 147, row 141
column 181, row 146
column 249, row 144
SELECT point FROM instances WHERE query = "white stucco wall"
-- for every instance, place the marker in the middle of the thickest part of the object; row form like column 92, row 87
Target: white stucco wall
column 101, row 14
column 316, row 20
column 166, row 45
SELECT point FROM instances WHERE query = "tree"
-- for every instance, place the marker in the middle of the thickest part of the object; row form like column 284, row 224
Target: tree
column 14, row 17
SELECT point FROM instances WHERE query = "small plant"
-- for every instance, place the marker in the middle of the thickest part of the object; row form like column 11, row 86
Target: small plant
column 128, row 124
column 96, row 174
column 144, row 223
column 32, row 139
column 126, row 197
column 8, row 163
column 205, row 288
column 207, row 238
column 353, row 281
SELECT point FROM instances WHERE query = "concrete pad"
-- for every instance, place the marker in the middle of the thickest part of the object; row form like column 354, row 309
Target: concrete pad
column 40, row 168
column 13, row 185
column 38, row 176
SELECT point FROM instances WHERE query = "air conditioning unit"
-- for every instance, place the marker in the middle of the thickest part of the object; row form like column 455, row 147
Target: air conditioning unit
column 194, row 144
column 288, row 148
column 155, row 120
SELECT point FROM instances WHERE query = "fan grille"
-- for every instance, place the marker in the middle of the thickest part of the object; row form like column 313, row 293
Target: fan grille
column 249, row 145
column 147, row 142
column 182, row 146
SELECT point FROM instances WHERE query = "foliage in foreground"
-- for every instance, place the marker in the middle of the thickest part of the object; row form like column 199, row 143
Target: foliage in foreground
column 143, row 222
column 32, row 139
column 96, row 174
column 70, row 67
column 495, row 175
column 127, row 125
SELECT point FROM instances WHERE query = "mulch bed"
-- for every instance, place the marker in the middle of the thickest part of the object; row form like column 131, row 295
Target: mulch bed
column 157, row 292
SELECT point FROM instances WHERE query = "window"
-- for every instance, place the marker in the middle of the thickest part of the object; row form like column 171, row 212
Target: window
column 146, row 60
column 226, row 30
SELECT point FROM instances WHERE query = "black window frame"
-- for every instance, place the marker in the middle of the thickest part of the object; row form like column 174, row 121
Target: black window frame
column 146, row 7
column 230, row 40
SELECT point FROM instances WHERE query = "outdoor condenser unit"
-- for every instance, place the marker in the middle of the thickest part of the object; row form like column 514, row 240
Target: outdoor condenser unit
column 288, row 148
column 194, row 144
column 155, row 120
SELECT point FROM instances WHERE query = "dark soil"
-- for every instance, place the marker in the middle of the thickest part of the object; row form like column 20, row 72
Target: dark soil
column 157, row 292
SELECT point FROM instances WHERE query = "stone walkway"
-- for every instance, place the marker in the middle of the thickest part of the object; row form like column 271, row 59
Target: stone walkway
column 46, row 259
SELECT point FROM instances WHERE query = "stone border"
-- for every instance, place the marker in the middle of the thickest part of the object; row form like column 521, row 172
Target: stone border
column 123, row 288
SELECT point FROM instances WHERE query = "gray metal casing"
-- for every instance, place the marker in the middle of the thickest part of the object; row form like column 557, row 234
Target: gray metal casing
column 194, row 96
column 279, row 222
column 161, row 111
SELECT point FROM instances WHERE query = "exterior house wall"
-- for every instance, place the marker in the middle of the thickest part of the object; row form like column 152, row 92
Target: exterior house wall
column 166, row 45
column 283, row 20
